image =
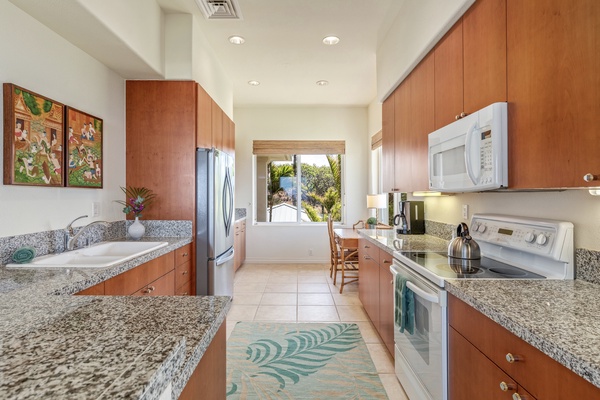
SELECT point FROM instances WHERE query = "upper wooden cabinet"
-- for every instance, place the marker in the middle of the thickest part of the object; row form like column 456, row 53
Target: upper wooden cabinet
column 554, row 100
column 413, row 121
column 161, row 145
column 217, row 126
column 204, row 120
column 387, row 145
column 470, row 62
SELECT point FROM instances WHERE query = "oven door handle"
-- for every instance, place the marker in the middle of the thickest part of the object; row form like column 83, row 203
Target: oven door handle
column 432, row 298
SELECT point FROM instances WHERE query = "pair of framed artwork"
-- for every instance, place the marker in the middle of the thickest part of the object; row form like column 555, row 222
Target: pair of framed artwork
column 49, row 144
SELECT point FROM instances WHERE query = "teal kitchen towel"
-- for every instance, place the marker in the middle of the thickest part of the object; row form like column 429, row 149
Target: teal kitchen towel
column 404, row 312
column 24, row 255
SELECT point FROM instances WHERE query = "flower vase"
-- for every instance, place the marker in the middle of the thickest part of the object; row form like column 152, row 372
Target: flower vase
column 136, row 230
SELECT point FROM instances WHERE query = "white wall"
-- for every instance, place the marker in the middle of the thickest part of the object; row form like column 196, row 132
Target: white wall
column 291, row 243
column 37, row 59
column 419, row 25
column 375, row 121
column 576, row 206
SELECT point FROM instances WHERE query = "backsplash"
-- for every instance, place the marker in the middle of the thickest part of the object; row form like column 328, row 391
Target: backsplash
column 53, row 241
column 587, row 262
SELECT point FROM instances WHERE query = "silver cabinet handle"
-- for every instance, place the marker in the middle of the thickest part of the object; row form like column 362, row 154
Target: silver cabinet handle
column 511, row 358
column 505, row 387
column 516, row 396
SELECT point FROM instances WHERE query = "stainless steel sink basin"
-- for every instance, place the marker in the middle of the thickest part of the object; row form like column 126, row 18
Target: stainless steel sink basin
column 97, row 256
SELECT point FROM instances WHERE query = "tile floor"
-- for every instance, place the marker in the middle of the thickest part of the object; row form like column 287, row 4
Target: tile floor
column 305, row 293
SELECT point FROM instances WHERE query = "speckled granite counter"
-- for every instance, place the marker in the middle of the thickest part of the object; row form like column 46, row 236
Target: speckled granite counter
column 560, row 318
column 390, row 241
column 60, row 347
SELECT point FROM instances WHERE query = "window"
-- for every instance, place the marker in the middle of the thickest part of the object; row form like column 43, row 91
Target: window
column 298, row 182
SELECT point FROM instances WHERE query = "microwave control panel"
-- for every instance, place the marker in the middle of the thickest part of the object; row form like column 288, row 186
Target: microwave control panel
column 486, row 156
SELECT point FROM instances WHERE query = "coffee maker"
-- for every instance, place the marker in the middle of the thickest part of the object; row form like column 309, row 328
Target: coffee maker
column 411, row 218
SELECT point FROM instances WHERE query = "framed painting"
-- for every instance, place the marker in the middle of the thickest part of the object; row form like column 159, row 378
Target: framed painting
column 33, row 138
column 83, row 136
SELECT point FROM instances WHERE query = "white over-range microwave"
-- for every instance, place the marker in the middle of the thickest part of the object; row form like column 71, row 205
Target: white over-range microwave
column 470, row 154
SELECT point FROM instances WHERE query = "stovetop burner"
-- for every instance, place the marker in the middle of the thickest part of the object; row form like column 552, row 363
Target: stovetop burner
column 447, row 267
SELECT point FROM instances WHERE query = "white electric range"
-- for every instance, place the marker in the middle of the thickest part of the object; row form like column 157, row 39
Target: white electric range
column 511, row 248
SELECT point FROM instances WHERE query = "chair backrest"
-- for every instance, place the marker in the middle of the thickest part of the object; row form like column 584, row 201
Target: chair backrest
column 332, row 245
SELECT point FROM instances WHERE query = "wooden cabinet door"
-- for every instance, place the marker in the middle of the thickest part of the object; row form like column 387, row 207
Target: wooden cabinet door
column 161, row 145
column 163, row 286
column 217, row 126
column 421, row 122
column 448, row 55
column 135, row 279
column 386, row 301
column 402, row 151
column 484, row 54
column 387, row 144
column 553, row 55
column 96, row 290
column 237, row 245
column 363, row 277
column 203, row 119
column 208, row 381
column 226, row 134
column 471, row 375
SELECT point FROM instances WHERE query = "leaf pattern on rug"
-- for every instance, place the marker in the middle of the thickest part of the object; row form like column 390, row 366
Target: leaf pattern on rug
column 307, row 351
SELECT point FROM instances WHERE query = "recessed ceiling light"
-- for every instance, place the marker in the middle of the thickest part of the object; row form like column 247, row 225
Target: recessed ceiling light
column 236, row 40
column 322, row 83
column 253, row 83
column 331, row 40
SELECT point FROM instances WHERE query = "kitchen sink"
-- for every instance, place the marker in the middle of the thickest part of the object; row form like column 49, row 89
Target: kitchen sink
column 99, row 255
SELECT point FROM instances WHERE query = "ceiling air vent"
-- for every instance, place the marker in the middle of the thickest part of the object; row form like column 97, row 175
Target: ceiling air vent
column 220, row 9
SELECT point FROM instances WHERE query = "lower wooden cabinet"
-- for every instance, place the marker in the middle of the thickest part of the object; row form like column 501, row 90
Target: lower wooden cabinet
column 208, row 381
column 168, row 275
column 239, row 244
column 375, row 289
column 527, row 367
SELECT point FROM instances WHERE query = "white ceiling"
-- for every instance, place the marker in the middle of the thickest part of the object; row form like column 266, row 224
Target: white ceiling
column 285, row 53
column 283, row 49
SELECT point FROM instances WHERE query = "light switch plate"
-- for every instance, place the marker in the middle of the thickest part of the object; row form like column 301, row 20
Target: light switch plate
column 465, row 211
column 95, row 209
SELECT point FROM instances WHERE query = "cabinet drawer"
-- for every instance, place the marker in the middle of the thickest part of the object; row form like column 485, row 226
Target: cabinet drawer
column 184, row 290
column 369, row 250
column 135, row 279
column 385, row 259
column 183, row 254
column 163, row 286
column 183, row 273
column 537, row 373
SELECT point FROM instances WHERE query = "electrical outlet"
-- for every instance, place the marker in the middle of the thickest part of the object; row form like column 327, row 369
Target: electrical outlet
column 310, row 252
column 95, row 209
column 465, row 211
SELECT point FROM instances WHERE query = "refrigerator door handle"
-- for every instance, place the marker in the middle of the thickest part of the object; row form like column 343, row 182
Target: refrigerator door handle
column 225, row 257
column 226, row 219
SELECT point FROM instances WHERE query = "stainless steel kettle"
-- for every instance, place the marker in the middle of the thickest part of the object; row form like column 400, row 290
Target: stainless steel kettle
column 463, row 246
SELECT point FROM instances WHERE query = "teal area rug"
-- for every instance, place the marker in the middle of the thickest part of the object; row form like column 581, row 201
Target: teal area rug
column 300, row 361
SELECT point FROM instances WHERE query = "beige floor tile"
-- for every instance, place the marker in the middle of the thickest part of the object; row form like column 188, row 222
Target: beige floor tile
column 311, row 279
column 279, row 299
column 368, row 332
column 241, row 312
column 317, row 313
column 313, row 288
column 249, row 287
column 276, row 313
column 392, row 387
column 279, row 272
column 384, row 364
column 253, row 277
column 247, row 298
column 315, row 299
column 352, row 313
column 281, row 288
column 283, row 278
column 230, row 324
column 346, row 299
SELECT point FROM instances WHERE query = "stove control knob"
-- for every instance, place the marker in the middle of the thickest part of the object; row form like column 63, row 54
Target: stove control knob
column 529, row 237
column 542, row 239
column 482, row 228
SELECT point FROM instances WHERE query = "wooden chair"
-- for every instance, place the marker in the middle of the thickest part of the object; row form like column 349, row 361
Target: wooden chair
column 350, row 264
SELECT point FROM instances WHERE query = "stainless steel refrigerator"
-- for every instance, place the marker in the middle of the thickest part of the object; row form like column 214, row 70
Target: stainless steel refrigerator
column 214, row 222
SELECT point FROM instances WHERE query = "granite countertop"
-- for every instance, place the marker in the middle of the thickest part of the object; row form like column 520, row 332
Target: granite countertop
column 390, row 241
column 560, row 318
column 59, row 346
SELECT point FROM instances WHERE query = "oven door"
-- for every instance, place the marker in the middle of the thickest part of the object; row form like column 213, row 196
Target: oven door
column 421, row 358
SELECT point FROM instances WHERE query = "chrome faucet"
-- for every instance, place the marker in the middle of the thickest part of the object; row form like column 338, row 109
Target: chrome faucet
column 71, row 237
